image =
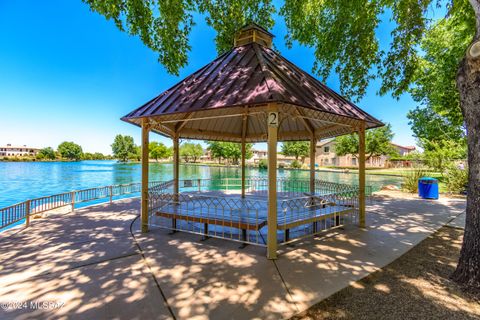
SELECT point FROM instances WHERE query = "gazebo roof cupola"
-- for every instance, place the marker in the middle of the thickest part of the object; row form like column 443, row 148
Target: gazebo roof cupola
column 253, row 33
column 229, row 98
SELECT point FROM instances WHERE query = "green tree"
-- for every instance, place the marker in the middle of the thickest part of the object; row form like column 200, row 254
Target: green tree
column 87, row 156
column 98, row 156
column 440, row 155
column 158, row 150
column 344, row 39
column 123, row 147
column 377, row 143
column 70, row 150
column 297, row 149
column 216, row 150
column 229, row 150
column 46, row 153
column 429, row 126
column 136, row 154
column 191, row 151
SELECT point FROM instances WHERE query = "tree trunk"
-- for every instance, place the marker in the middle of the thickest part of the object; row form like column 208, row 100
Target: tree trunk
column 468, row 82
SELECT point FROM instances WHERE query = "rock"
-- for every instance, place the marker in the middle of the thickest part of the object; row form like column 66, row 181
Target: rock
column 391, row 187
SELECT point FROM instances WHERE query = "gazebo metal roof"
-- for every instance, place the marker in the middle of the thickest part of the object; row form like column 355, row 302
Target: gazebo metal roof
column 212, row 102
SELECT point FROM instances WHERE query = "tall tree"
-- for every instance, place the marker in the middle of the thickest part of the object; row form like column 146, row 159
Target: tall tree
column 123, row 147
column 228, row 150
column 216, row 150
column 377, row 143
column 46, row 153
column 191, row 151
column 297, row 149
column 439, row 155
column 343, row 36
column 429, row 126
column 70, row 150
column 158, row 150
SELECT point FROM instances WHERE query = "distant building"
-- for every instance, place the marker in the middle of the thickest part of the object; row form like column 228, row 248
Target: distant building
column 16, row 151
column 263, row 154
column 326, row 156
column 403, row 151
column 257, row 156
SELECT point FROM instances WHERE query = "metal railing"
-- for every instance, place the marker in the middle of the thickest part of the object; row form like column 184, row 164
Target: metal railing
column 285, row 186
column 203, row 207
column 23, row 211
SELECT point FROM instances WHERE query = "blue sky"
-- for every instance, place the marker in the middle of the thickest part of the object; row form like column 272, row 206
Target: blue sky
column 67, row 73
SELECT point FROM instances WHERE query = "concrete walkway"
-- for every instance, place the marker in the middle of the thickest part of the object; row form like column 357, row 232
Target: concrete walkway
column 89, row 265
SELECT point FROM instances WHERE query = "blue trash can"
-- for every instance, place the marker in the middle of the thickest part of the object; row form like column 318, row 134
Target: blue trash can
column 428, row 188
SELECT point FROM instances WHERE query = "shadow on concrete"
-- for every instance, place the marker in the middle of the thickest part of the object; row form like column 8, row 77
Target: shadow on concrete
column 90, row 261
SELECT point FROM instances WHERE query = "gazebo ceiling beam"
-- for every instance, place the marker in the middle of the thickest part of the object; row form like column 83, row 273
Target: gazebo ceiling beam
column 156, row 126
column 183, row 122
column 306, row 121
column 209, row 118
column 326, row 121
column 319, row 116
column 207, row 133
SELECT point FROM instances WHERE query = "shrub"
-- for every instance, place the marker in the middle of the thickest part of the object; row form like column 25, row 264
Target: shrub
column 456, row 179
column 263, row 164
column 296, row 164
column 410, row 180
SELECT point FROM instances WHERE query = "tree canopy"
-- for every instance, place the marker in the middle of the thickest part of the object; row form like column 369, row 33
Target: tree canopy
column 438, row 119
column 46, row 153
column 123, row 147
column 228, row 150
column 297, row 149
column 377, row 143
column 158, row 150
column 164, row 26
column 191, row 151
column 70, row 150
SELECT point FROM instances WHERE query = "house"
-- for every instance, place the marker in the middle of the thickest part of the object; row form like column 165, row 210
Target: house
column 16, row 151
column 403, row 151
column 257, row 156
column 263, row 154
column 326, row 156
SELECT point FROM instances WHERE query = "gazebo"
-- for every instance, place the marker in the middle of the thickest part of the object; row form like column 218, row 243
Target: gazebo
column 251, row 94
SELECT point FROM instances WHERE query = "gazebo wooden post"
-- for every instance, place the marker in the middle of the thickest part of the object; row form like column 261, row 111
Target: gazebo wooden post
column 144, row 203
column 176, row 163
column 313, row 146
column 243, row 168
column 244, row 133
column 361, row 175
column 272, row 122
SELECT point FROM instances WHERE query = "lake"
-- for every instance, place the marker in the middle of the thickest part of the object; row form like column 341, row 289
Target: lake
column 20, row 181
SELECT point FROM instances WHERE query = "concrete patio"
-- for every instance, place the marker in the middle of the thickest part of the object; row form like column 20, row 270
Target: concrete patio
column 96, row 264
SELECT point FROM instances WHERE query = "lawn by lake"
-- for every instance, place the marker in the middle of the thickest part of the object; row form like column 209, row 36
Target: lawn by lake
column 20, row 181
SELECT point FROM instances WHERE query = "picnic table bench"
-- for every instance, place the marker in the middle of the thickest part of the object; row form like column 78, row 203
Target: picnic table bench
column 313, row 216
column 232, row 219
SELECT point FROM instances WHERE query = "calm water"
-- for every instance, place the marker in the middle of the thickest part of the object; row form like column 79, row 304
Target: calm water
column 20, row 181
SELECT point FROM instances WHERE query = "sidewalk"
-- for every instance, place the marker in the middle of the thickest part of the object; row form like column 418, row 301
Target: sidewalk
column 90, row 262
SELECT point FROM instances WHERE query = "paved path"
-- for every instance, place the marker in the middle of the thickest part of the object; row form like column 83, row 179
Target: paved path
column 90, row 262
column 458, row 222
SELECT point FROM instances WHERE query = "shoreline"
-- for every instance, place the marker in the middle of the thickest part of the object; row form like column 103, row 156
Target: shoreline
column 389, row 172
